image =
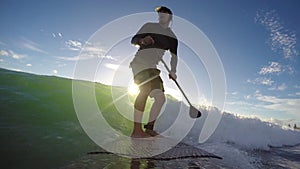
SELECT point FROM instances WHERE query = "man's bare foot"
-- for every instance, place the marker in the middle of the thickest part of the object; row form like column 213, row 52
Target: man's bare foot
column 140, row 134
column 152, row 133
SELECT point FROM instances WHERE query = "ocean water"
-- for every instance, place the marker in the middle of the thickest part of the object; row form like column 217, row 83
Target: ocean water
column 283, row 157
column 39, row 129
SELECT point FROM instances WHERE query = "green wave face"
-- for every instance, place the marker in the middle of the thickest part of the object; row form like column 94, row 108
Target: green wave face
column 39, row 127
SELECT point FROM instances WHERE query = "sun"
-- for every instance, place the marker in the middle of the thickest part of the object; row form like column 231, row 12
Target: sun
column 133, row 89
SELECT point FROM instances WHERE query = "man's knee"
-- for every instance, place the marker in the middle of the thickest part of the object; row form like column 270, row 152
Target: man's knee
column 145, row 89
column 158, row 96
column 161, row 97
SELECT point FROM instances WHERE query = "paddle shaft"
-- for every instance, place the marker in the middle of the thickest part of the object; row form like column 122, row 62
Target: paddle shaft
column 168, row 69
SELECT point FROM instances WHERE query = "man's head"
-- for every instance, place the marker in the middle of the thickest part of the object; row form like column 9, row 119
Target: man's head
column 164, row 13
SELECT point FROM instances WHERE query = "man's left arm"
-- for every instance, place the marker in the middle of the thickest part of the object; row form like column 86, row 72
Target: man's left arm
column 174, row 59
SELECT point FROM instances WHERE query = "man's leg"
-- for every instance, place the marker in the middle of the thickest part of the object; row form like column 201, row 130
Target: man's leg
column 139, row 107
column 159, row 100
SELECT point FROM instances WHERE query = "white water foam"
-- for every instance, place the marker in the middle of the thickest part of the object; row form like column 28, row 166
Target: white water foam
column 236, row 137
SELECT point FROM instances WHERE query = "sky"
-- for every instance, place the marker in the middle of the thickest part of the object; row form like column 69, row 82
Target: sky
column 257, row 43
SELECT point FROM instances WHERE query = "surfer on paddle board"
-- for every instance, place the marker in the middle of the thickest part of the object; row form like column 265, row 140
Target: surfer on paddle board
column 153, row 40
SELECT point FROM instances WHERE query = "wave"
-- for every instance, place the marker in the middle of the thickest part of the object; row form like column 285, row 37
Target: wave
column 249, row 133
column 253, row 133
column 240, row 141
column 38, row 119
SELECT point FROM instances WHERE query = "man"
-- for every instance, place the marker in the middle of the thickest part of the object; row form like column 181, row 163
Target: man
column 153, row 40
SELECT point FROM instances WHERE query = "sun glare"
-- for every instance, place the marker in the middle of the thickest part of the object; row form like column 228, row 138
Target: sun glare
column 133, row 89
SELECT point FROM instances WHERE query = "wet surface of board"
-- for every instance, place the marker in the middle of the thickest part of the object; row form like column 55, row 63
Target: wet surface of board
column 145, row 154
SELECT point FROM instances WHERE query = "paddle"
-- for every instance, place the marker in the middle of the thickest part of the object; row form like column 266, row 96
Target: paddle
column 194, row 113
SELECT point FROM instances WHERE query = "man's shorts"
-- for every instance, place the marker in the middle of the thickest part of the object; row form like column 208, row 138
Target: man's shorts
column 149, row 76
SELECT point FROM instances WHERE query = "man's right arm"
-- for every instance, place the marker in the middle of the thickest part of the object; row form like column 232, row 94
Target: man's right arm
column 137, row 39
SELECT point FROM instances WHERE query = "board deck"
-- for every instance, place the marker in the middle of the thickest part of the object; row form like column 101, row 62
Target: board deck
column 144, row 154
column 151, row 149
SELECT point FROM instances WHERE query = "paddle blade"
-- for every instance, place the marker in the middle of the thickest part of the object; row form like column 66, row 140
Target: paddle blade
column 194, row 113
